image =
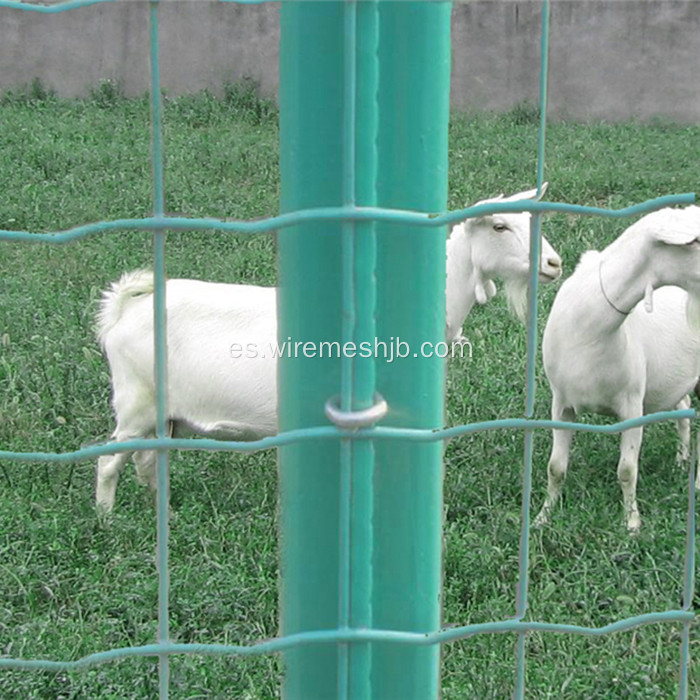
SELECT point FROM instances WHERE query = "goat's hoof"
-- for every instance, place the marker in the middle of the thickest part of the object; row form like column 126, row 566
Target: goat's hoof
column 104, row 515
column 461, row 340
column 682, row 458
column 540, row 521
column 634, row 524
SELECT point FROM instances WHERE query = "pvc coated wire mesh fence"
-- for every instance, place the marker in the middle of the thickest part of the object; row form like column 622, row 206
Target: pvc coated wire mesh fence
column 351, row 215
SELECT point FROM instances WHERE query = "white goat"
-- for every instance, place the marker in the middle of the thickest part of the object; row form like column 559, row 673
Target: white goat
column 493, row 247
column 217, row 393
column 606, row 351
column 211, row 391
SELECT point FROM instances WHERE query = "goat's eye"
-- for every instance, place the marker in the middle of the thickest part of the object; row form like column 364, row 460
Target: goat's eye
column 500, row 228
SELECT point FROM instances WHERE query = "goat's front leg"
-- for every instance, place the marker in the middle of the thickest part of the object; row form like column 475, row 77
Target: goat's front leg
column 461, row 340
column 627, row 471
column 697, row 452
column 558, row 460
column 683, row 452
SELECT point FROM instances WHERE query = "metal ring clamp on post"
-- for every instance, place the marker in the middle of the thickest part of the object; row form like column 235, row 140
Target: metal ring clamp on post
column 355, row 420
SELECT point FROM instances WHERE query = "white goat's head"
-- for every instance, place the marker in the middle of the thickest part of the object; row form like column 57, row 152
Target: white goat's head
column 500, row 249
column 676, row 257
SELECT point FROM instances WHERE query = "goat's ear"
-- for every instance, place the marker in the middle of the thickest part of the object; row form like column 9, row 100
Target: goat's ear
column 674, row 226
column 488, row 201
column 478, row 220
column 677, row 236
column 528, row 194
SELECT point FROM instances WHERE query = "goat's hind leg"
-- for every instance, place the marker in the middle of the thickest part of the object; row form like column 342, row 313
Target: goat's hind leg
column 109, row 466
column 108, row 470
column 146, row 462
column 558, row 461
column 146, row 473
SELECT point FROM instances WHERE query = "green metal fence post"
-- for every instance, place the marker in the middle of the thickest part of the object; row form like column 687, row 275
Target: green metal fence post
column 309, row 270
column 373, row 558
column 414, row 52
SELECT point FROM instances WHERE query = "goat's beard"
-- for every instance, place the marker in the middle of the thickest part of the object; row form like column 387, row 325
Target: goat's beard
column 692, row 311
column 516, row 295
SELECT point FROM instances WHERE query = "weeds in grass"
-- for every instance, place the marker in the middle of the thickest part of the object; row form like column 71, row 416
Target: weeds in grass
column 107, row 94
column 244, row 97
column 523, row 114
column 34, row 94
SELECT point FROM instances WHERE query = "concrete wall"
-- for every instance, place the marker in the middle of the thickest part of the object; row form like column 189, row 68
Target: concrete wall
column 202, row 44
column 609, row 60
column 613, row 59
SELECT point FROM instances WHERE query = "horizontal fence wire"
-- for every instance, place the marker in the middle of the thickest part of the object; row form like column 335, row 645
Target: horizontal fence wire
column 328, row 432
column 349, row 213
column 65, row 5
column 272, row 646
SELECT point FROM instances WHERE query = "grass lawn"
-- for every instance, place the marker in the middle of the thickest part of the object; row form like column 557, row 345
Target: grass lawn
column 70, row 587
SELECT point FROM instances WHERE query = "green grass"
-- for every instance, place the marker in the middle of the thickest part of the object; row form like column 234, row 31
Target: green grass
column 71, row 587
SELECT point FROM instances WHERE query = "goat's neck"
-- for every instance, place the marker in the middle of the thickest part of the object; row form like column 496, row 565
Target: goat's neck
column 625, row 274
column 461, row 280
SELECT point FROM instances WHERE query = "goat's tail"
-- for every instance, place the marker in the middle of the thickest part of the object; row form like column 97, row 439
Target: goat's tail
column 114, row 300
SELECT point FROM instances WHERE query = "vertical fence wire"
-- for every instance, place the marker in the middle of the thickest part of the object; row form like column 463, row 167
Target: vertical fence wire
column 357, row 390
column 364, row 376
column 160, row 341
column 358, row 245
column 689, row 578
column 349, row 316
column 532, row 324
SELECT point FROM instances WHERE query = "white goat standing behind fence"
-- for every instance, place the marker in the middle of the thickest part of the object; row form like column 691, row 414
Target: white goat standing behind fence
column 491, row 247
column 215, row 393
column 613, row 345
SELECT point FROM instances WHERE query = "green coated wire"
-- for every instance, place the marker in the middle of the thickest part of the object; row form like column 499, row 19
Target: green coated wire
column 532, row 320
column 418, row 435
column 689, row 579
column 349, row 317
column 357, row 387
column 50, row 9
column 321, row 214
column 362, row 52
column 76, row 4
column 291, row 641
column 160, row 369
